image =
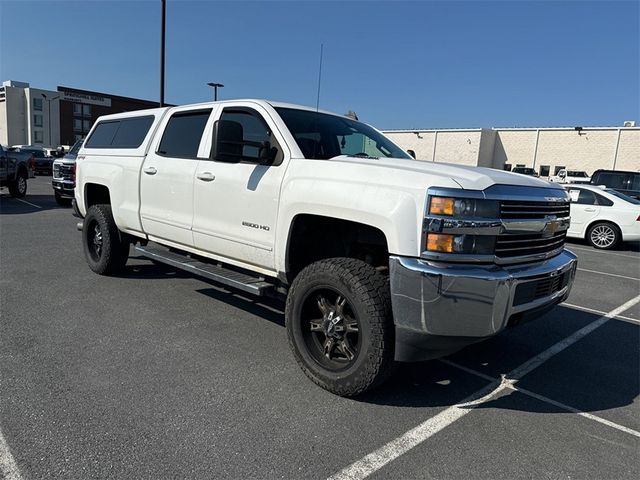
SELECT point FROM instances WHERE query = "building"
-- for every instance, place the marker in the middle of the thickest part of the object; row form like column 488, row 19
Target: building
column 33, row 116
column 547, row 150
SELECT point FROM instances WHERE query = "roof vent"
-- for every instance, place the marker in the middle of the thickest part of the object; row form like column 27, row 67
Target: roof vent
column 629, row 123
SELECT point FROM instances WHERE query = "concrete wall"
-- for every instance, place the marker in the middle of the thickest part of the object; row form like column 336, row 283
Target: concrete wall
column 589, row 149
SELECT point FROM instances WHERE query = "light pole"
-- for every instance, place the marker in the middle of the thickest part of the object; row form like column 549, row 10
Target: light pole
column 163, row 15
column 49, row 100
column 215, row 89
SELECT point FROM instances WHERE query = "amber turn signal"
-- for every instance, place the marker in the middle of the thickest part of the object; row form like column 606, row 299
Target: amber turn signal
column 441, row 206
column 439, row 243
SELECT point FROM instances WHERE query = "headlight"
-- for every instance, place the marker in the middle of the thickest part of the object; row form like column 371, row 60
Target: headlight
column 463, row 207
column 469, row 244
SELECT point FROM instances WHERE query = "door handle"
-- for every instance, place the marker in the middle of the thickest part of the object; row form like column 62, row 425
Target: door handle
column 589, row 209
column 206, row 177
column 150, row 170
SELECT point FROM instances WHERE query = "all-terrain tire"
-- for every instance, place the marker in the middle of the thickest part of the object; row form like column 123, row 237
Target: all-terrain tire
column 367, row 292
column 18, row 188
column 112, row 255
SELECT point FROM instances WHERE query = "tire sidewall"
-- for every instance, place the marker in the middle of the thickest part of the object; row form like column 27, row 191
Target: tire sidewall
column 367, row 357
column 113, row 249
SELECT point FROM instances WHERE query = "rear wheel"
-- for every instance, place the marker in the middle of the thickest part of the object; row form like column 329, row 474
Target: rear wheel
column 604, row 235
column 106, row 249
column 18, row 188
column 340, row 326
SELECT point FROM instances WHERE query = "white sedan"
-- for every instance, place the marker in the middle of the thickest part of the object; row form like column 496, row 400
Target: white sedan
column 602, row 216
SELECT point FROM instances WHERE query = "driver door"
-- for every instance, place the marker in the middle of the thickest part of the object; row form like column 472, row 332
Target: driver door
column 236, row 195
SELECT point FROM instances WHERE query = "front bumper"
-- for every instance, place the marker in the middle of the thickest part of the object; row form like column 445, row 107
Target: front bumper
column 439, row 308
column 64, row 188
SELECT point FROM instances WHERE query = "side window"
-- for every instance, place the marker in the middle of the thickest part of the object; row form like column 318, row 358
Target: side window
column 612, row 180
column 605, row 202
column 586, row 197
column 125, row 133
column 245, row 134
column 182, row 135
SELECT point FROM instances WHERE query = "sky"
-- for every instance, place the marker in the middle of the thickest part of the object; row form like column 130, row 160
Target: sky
column 398, row 65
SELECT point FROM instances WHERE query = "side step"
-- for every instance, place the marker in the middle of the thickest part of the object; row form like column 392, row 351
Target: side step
column 225, row 276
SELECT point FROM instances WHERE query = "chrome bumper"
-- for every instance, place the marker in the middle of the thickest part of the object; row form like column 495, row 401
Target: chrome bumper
column 440, row 307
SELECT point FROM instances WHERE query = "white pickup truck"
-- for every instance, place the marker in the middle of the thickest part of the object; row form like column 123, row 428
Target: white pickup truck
column 382, row 258
column 570, row 176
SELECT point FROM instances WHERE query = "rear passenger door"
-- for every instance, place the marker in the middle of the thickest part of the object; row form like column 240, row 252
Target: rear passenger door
column 166, row 183
column 584, row 208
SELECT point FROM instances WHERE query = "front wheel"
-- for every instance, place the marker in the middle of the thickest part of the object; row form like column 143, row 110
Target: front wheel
column 18, row 188
column 105, row 248
column 340, row 326
column 604, row 235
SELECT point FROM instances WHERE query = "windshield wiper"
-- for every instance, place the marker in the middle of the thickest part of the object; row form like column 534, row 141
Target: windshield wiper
column 362, row 155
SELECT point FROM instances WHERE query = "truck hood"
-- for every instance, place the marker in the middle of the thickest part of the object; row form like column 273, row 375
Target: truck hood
column 469, row 178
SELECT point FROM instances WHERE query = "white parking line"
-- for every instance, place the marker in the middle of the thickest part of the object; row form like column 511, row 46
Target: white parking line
column 544, row 399
column 8, row 466
column 606, row 252
column 28, row 203
column 600, row 312
column 374, row 461
column 609, row 274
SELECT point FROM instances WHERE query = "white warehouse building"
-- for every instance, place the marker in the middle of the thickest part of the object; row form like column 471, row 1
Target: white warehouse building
column 547, row 150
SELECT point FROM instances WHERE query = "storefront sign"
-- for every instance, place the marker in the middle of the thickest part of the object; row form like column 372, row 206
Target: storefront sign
column 85, row 98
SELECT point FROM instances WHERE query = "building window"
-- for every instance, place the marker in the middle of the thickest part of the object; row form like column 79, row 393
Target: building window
column 37, row 136
column 86, row 126
column 37, row 104
column 37, row 120
column 77, row 109
column 507, row 167
column 86, row 110
column 544, row 170
column 77, row 125
column 557, row 169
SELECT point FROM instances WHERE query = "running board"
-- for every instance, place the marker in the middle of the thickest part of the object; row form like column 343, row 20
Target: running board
column 225, row 276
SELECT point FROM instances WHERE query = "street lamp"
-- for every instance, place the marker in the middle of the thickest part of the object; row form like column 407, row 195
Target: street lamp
column 49, row 100
column 215, row 89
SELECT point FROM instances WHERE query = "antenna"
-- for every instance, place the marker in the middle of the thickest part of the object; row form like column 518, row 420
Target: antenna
column 319, row 78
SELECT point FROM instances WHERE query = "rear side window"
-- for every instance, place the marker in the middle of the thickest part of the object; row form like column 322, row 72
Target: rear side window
column 124, row 133
column 181, row 137
column 612, row 180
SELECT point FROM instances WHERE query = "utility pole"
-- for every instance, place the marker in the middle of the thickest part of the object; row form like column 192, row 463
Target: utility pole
column 162, row 35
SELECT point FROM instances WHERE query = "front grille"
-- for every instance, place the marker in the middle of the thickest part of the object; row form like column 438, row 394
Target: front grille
column 517, row 245
column 63, row 171
column 530, row 291
column 527, row 210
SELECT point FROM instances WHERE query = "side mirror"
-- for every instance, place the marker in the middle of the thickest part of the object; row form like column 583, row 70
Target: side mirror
column 228, row 141
column 412, row 153
column 267, row 153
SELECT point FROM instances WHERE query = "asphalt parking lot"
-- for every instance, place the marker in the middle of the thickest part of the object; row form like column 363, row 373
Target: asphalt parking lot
column 155, row 374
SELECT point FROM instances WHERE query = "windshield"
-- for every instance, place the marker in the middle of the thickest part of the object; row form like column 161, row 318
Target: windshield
column 321, row 136
column 622, row 196
column 576, row 173
column 76, row 148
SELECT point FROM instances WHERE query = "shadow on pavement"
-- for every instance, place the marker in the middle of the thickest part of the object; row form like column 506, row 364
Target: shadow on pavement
column 14, row 206
column 607, row 356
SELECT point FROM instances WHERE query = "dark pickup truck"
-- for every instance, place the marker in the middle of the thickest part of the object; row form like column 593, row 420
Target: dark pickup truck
column 15, row 169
